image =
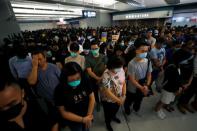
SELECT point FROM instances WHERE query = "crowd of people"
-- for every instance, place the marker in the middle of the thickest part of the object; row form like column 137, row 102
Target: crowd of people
column 54, row 79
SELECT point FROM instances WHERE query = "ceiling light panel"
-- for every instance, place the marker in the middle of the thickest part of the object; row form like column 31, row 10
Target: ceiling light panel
column 45, row 6
column 58, row 16
column 100, row 2
column 95, row 2
column 37, row 11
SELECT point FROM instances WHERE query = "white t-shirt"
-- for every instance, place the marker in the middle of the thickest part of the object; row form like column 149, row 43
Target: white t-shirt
column 158, row 54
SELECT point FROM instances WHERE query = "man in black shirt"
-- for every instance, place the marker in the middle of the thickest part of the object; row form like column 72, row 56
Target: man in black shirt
column 17, row 113
column 183, row 58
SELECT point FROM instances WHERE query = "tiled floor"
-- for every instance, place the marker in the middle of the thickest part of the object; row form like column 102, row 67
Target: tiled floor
column 149, row 121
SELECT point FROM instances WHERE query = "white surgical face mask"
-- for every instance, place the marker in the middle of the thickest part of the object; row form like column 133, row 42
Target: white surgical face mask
column 86, row 51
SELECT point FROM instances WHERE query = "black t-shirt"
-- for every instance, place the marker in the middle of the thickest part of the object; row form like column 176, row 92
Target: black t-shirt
column 185, row 61
column 34, row 120
column 74, row 100
column 173, row 79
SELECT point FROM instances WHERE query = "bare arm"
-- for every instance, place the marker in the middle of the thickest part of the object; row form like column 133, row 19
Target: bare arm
column 92, row 74
column 91, row 104
column 33, row 76
column 135, row 82
column 124, row 89
column 189, row 82
column 149, row 78
column 108, row 92
column 164, row 61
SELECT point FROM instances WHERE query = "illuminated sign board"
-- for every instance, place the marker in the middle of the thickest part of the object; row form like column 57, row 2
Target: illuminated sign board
column 89, row 14
column 144, row 15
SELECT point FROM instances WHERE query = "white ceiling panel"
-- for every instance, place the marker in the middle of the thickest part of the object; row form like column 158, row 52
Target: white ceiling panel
column 73, row 8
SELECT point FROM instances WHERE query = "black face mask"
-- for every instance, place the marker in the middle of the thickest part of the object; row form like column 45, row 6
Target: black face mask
column 12, row 112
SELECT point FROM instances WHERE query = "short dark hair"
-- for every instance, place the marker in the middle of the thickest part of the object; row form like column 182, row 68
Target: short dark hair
column 74, row 47
column 21, row 51
column 6, row 81
column 140, row 42
column 95, row 42
column 114, row 62
column 86, row 45
column 43, row 52
column 73, row 37
column 69, row 69
column 118, row 47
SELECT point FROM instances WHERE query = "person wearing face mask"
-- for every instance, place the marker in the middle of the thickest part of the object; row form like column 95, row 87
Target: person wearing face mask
column 119, row 52
column 86, row 48
column 113, row 90
column 75, row 56
column 18, row 113
column 184, row 58
column 95, row 66
column 74, row 98
column 139, row 77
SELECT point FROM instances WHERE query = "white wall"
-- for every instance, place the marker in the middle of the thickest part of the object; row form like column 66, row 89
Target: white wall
column 105, row 19
column 181, row 19
column 37, row 26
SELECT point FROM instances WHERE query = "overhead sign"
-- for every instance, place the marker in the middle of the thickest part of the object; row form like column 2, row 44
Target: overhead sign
column 144, row 15
column 89, row 14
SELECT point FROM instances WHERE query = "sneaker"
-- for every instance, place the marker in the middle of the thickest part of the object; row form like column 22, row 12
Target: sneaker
column 161, row 114
column 116, row 120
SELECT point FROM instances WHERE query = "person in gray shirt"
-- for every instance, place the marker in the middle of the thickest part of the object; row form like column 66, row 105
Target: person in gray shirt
column 150, row 39
column 139, row 77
